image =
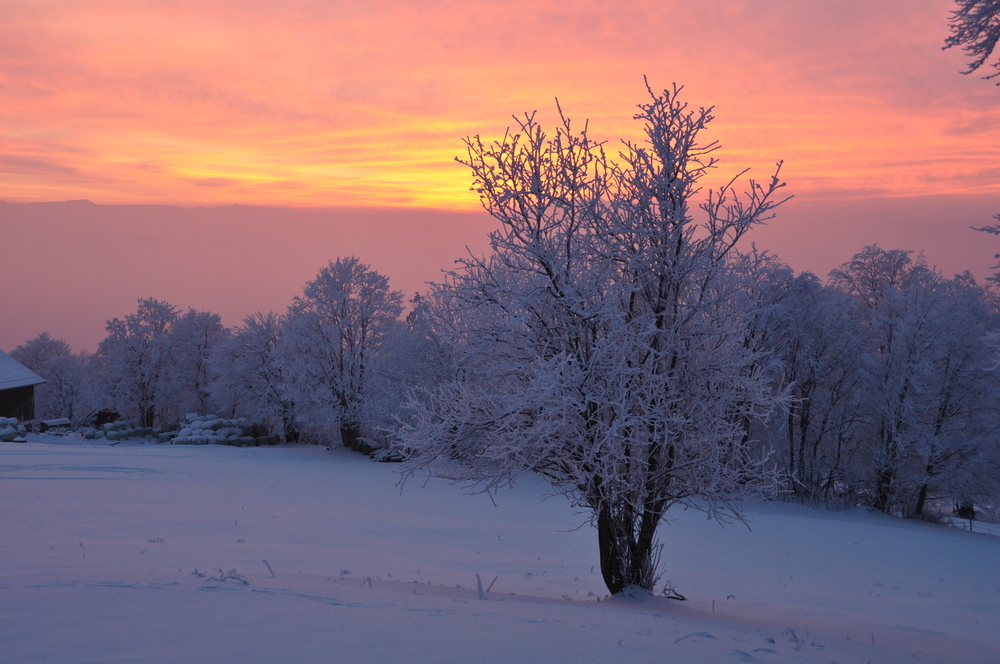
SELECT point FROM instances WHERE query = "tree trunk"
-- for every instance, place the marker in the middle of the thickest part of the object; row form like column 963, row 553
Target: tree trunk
column 288, row 425
column 146, row 415
column 350, row 435
column 627, row 558
column 918, row 511
column 791, row 446
column 883, row 494
column 614, row 556
column 291, row 431
column 805, row 485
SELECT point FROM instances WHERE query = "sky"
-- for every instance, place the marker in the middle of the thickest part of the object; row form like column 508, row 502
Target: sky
column 347, row 106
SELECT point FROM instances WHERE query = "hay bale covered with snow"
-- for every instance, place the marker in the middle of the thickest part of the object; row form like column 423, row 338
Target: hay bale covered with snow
column 213, row 430
column 123, row 430
column 11, row 430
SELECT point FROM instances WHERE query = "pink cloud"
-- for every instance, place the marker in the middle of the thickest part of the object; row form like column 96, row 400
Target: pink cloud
column 366, row 104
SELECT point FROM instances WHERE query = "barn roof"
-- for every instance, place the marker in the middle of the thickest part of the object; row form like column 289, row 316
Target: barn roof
column 14, row 374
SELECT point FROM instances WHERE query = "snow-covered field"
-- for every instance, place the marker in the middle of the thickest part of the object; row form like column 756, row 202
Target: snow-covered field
column 115, row 554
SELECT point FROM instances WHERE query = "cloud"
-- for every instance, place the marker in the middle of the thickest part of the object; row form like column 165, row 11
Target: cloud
column 361, row 103
column 38, row 167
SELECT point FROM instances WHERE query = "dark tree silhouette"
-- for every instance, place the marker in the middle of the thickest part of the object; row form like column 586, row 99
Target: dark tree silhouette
column 975, row 26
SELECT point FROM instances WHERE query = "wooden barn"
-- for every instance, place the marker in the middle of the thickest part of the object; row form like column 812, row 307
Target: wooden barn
column 17, row 389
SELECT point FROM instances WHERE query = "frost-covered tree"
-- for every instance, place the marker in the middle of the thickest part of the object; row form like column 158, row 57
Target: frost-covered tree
column 811, row 331
column 604, row 343
column 956, row 447
column 975, row 27
column 62, row 369
column 333, row 339
column 424, row 352
column 892, row 383
column 928, row 384
column 894, row 300
column 155, row 363
column 250, row 381
column 39, row 351
column 425, row 343
column 136, row 357
column 194, row 337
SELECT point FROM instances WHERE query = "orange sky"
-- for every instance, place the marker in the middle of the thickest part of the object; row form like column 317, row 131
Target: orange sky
column 332, row 103
column 324, row 104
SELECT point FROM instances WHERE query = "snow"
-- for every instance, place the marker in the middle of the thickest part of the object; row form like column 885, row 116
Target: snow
column 14, row 374
column 99, row 547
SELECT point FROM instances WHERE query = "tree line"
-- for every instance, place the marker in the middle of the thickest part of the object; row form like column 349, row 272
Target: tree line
column 316, row 372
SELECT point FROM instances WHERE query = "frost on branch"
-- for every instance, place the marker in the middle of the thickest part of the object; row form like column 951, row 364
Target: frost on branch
column 604, row 342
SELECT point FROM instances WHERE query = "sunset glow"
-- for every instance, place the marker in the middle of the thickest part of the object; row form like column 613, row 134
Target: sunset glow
column 345, row 118
column 343, row 103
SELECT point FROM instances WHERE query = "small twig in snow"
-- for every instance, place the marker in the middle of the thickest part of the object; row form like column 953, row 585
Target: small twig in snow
column 670, row 592
column 231, row 575
column 789, row 633
column 273, row 575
